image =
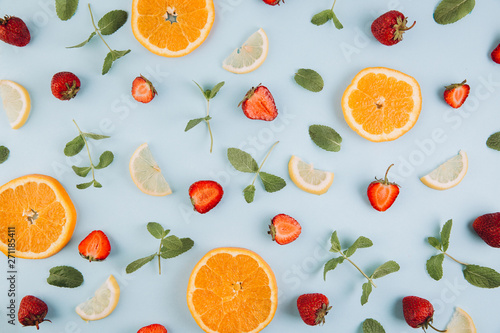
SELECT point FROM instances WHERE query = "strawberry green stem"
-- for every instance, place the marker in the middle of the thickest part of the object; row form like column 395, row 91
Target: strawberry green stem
column 458, row 261
column 97, row 30
column 359, row 269
column 264, row 161
column 386, row 181
column 88, row 149
column 209, row 129
column 435, row 329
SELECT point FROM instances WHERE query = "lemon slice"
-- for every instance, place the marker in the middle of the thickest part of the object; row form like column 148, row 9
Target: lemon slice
column 448, row 174
column 16, row 102
column 307, row 178
column 461, row 322
column 249, row 56
column 103, row 303
column 146, row 173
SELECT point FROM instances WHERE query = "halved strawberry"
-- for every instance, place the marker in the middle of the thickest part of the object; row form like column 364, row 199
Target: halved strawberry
column 154, row 328
column 382, row 193
column 272, row 2
column 284, row 229
column 95, row 247
column 456, row 94
column 143, row 90
column 205, row 195
column 259, row 104
column 495, row 54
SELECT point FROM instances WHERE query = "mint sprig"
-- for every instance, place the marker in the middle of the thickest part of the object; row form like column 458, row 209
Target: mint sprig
column 360, row 243
column 107, row 25
column 244, row 162
column 482, row 277
column 4, row 154
column 170, row 247
column 76, row 145
column 325, row 16
column 208, row 94
column 65, row 9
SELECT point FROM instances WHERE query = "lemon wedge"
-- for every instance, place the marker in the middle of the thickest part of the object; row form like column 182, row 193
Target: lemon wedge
column 461, row 322
column 307, row 178
column 448, row 174
column 103, row 303
column 16, row 102
column 250, row 56
column 146, row 173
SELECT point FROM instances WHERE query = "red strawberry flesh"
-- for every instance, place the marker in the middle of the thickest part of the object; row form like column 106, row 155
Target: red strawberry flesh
column 382, row 193
column 205, row 195
column 284, row 229
column 154, row 328
column 259, row 104
column 95, row 247
column 143, row 90
column 456, row 94
column 495, row 54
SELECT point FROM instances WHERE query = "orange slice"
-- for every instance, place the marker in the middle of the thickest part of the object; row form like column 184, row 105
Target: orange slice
column 36, row 215
column 232, row 290
column 172, row 28
column 382, row 104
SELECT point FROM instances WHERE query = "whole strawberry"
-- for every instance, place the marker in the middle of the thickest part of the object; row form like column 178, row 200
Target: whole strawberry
column 259, row 104
column 284, row 229
column 382, row 193
column 488, row 228
column 456, row 94
column 313, row 308
column 32, row 311
column 14, row 31
column 389, row 28
column 65, row 85
column 154, row 328
column 143, row 90
column 418, row 312
column 95, row 247
column 272, row 2
column 495, row 54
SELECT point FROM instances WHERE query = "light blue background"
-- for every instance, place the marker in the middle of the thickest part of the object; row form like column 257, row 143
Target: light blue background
column 435, row 55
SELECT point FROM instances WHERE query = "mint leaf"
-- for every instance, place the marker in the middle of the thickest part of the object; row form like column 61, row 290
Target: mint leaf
column 271, row 183
column 82, row 43
column 450, row 11
column 445, row 235
column 249, row 193
column 367, row 290
column 186, row 245
column 331, row 265
column 95, row 136
column 334, row 240
column 435, row 266
column 242, row 161
column 135, row 265
column 322, row 17
column 81, row 171
column 325, row 137
column 156, row 230
column 493, row 141
column 4, row 154
column 165, row 233
column 434, row 242
column 482, row 277
column 336, row 22
column 360, row 243
column 216, row 89
column 112, row 21
column 193, row 122
column 372, row 326
column 65, row 277
column 309, row 79
column 97, row 184
column 203, row 91
column 105, row 160
column 74, row 146
column 171, row 243
column 385, row 269
column 84, row 185
column 65, row 9
column 111, row 57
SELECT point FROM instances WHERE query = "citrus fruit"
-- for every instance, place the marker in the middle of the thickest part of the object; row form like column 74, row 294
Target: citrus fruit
column 461, row 322
column 232, row 290
column 250, row 55
column 16, row 102
column 448, row 174
column 172, row 28
column 37, row 212
column 382, row 104
column 307, row 178
column 146, row 173
column 103, row 303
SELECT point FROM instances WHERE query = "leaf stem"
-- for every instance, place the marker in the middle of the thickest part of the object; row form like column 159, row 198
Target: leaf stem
column 458, row 261
column 159, row 258
column 209, row 129
column 97, row 30
column 264, row 161
column 334, row 4
column 359, row 269
column 88, row 149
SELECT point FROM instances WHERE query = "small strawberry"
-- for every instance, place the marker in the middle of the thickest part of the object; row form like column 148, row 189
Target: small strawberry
column 488, row 228
column 273, row 2
column 143, row 90
column 65, row 85
column 382, row 193
column 284, row 229
column 205, row 195
column 32, row 311
column 495, row 54
column 418, row 312
column 313, row 308
column 259, row 104
column 154, row 328
column 389, row 28
column 14, row 31
column 95, row 247
column 456, row 94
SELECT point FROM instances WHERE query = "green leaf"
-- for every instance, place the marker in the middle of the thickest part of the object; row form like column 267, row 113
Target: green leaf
column 105, row 160
column 309, row 79
column 192, row 123
column 97, row 184
column 81, row 171
column 112, row 21
column 322, row 17
column 493, row 141
column 435, row 266
column 450, row 11
column 445, row 235
column 187, row 244
column 331, row 265
column 334, row 240
column 360, row 243
column 135, row 265
column 82, row 43
column 242, row 161
column 271, row 183
column 482, row 277
column 367, row 290
column 216, row 89
column 249, row 193
column 65, row 9
column 325, row 137
column 171, row 243
column 4, row 154
column 336, row 22
column 74, row 146
column 65, row 277
column 111, row 57
column 165, row 233
column 155, row 229
column 84, row 185
column 95, row 136
column 434, row 242
column 385, row 269
column 372, row 326
column 201, row 89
